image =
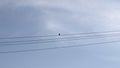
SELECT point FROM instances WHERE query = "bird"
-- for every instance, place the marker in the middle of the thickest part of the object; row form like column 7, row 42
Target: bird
column 59, row 34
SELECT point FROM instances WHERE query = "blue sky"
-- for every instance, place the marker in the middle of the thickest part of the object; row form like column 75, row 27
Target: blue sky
column 47, row 17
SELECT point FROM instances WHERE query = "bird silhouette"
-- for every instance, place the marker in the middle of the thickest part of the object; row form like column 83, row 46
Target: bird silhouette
column 59, row 34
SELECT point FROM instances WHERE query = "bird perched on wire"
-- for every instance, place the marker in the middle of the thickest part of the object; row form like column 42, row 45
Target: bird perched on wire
column 59, row 34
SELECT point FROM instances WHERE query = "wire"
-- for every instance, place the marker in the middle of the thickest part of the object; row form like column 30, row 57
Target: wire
column 26, row 37
column 19, row 37
column 58, row 38
column 31, row 50
column 15, row 43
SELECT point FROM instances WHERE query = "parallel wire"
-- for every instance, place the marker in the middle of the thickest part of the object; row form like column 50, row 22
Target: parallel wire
column 31, row 50
column 57, row 38
column 16, row 43
column 19, row 37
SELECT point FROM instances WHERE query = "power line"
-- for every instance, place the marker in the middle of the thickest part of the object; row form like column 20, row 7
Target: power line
column 16, row 43
column 19, row 37
column 58, row 38
column 31, row 50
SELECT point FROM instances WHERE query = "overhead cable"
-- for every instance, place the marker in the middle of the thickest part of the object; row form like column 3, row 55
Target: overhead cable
column 16, row 43
column 52, row 48
column 19, row 37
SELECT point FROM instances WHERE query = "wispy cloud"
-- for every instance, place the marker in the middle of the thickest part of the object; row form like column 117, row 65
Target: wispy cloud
column 71, row 15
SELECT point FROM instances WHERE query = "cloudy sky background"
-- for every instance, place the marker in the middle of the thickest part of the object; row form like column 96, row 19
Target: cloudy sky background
column 47, row 17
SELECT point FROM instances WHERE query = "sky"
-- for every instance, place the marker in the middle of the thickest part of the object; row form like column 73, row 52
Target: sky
column 50, row 17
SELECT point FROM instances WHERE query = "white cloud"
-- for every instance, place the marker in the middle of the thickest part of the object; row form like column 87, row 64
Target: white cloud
column 97, row 13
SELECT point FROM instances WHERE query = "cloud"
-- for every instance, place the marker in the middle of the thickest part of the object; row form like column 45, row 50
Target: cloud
column 66, row 15
column 21, row 20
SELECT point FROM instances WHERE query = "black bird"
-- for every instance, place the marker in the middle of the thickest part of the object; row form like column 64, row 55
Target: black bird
column 59, row 34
